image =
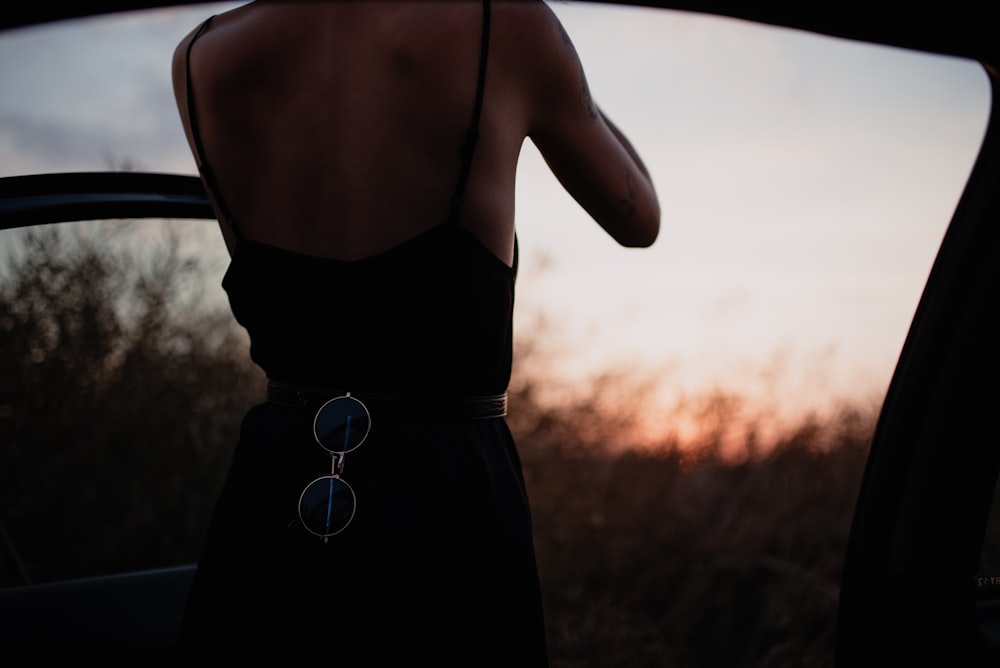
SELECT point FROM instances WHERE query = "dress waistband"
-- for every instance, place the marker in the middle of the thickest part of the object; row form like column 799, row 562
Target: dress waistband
column 392, row 406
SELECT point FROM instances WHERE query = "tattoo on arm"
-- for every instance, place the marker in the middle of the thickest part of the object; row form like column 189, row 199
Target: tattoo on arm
column 626, row 205
column 585, row 96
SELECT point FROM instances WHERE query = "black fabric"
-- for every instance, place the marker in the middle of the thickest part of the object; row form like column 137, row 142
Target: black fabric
column 438, row 564
column 393, row 406
column 432, row 316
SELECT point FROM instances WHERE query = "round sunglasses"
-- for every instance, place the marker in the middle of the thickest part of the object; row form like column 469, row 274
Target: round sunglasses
column 327, row 504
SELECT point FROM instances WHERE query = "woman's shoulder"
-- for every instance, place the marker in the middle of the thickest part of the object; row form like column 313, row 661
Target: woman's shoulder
column 530, row 34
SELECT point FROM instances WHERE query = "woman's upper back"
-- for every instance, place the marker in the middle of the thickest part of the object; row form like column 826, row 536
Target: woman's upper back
column 335, row 128
column 333, row 134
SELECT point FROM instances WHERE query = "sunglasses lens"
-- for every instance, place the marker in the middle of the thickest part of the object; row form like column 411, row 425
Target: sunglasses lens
column 341, row 424
column 326, row 506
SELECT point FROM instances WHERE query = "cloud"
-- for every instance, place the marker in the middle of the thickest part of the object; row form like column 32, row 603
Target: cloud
column 37, row 144
column 33, row 145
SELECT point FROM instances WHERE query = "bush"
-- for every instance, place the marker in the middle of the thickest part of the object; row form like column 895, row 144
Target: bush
column 120, row 400
column 117, row 406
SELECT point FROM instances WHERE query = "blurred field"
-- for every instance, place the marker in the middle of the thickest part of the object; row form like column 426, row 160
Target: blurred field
column 687, row 558
column 120, row 395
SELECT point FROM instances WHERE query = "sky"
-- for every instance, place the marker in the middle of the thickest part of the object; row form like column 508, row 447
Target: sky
column 805, row 183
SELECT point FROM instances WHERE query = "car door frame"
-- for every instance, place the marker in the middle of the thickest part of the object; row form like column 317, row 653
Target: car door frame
column 908, row 581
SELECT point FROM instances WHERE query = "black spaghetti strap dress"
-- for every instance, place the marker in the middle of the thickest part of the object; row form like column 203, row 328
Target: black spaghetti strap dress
column 438, row 562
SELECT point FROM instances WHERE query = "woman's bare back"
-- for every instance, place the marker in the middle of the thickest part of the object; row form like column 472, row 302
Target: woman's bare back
column 335, row 128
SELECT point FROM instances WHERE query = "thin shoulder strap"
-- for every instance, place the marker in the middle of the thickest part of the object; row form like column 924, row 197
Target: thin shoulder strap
column 472, row 134
column 203, row 167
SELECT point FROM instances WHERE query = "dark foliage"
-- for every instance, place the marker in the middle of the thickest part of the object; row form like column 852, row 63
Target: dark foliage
column 116, row 406
column 119, row 403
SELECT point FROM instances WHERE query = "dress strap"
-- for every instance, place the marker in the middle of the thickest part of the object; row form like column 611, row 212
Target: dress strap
column 203, row 167
column 472, row 134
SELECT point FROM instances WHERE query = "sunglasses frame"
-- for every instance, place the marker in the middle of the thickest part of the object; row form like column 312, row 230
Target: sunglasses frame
column 337, row 463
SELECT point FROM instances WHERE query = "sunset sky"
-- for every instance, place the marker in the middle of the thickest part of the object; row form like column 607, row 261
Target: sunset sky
column 805, row 184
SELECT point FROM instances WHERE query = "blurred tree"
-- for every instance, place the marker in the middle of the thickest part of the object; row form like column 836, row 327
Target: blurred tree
column 118, row 404
column 120, row 398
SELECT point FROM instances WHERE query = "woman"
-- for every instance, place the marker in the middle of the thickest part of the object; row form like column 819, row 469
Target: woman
column 361, row 159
